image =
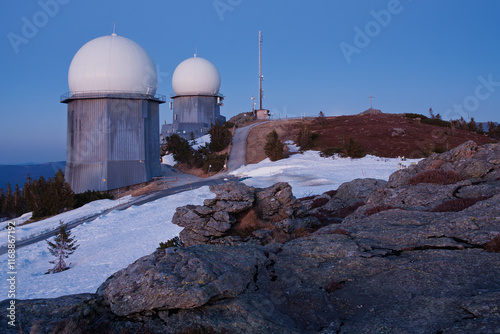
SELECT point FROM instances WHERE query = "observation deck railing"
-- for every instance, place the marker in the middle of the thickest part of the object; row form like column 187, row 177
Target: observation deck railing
column 112, row 94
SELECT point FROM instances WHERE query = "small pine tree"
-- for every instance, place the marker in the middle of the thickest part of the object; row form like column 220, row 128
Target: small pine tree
column 472, row 126
column 306, row 139
column 62, row 247
column 274, row 146
column 322, row 119
column 431, row 113
column 192, row 139
column 8, row 207
column 351, row 148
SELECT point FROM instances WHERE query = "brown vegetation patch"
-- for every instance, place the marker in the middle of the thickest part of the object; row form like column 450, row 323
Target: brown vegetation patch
column 436, row 176
column 318, row 202
column 457, row 205
column 247, row 223
column 344, row 212
column 334, row 286
column 301, row 232
column 331, row 193
column 378, row 209
column 493, row 245
column 372, row 132
column 340, row 231
column 327, row 217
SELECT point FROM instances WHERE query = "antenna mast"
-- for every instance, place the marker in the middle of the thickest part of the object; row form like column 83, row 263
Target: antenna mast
column 260, row 69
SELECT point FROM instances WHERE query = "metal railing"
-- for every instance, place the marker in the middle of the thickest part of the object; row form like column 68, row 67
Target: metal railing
column 111, row 94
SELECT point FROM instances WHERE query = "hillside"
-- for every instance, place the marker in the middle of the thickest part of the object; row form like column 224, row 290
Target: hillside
column 16, row 174
column 383, row 135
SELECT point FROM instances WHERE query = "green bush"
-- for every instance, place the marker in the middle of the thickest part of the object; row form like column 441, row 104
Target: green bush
column 214, row 163
column 220, row 137
column 413, row 116
column 436, row 122
column 174, row 242
column 330, row 151
column 306, row 139
column 90, row 196
column 180, row 148
column 351, row 148
column 274, row 146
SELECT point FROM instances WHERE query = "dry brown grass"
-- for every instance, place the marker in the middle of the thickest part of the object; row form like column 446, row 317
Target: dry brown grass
column 373, row 132
column 247, row 223
column 494, row 245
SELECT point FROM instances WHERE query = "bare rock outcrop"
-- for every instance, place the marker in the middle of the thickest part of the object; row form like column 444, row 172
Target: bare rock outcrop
column 240, row 213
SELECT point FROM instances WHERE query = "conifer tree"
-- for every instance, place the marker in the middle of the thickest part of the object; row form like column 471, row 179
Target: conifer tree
column 63, row 246
column 19, row 206
column 192, row 139
column 8, row 208
column 274, row 146
column 220, row 137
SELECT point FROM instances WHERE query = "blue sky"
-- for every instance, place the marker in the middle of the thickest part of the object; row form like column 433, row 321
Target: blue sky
column 319, row 55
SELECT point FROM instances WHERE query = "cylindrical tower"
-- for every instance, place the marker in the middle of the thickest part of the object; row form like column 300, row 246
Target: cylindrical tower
column 113, row 116
column 197, row 101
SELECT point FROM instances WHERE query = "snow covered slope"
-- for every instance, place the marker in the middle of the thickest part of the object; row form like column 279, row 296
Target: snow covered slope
column 117, row 239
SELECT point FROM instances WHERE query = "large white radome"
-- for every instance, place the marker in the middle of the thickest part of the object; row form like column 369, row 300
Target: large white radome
column 112, row 64
column 196, row 76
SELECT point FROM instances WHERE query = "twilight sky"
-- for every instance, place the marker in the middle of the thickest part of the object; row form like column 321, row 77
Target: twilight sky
column 319, row 55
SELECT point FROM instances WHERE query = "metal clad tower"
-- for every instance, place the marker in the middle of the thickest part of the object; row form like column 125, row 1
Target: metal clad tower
column 196, row 102
column 113, row 116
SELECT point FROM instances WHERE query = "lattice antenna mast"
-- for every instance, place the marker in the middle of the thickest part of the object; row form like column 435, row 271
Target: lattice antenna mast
column 261, row 78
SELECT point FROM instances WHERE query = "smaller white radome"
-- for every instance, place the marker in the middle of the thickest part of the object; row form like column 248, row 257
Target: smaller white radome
column 113, row 64
column 196, row 76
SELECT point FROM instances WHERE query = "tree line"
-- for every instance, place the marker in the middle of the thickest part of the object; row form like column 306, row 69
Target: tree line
column 492, row 131
column 43, row 197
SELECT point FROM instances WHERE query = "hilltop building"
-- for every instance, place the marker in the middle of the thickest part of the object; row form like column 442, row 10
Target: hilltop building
column 113, row 116
column 197, row 101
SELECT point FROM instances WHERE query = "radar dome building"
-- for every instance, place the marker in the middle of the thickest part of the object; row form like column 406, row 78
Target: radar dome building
column 113, row 116
column 197, row 101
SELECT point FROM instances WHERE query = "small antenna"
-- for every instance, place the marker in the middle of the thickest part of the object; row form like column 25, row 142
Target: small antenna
column 114, row 27
column 195, row 52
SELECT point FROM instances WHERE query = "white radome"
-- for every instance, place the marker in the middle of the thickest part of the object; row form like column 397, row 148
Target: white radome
column 112, row 64
column 196, row 76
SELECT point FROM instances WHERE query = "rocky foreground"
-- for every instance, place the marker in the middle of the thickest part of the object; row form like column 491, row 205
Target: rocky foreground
column 416, row 254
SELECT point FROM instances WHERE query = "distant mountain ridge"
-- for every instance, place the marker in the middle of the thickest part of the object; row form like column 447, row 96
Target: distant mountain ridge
column 17, row 174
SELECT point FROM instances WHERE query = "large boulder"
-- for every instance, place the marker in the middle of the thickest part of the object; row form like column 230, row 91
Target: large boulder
column 182, row 278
